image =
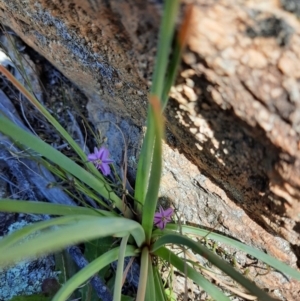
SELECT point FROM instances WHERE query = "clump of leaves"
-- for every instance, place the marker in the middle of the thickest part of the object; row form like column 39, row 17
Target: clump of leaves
column 132, row 226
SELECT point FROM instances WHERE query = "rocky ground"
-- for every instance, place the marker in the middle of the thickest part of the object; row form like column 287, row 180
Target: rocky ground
column 218, row 162
column 68, row 105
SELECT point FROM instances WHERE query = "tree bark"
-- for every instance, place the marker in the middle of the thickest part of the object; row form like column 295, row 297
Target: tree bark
column 233, row 120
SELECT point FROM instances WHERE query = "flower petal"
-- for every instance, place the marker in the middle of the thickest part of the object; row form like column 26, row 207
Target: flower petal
column 103, row 153
column 168, row 212
column 105, row 169
column 92, row 157
column 157, row 219
column 158, row 214
column 95, row 150
column 161, row 210
column 157, row 223
column 161, row 225
column 107, row 161
column 163, row 217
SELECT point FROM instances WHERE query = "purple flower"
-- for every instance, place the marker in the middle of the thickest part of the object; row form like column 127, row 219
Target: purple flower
column 162, row 217
column 100, row 160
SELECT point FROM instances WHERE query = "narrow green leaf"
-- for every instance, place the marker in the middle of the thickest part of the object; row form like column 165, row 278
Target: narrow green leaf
column 214, row 259
column 170, row 295
column 13, row 238
column 159, row 287
column 150, row 288
column 179, row 264
column 144, row 165
column 7, row 205
column 97, row 247
column 87, row 293
column 35, row 297
column 152, row 193
column 166, row 34
column 143, row 274
column 271, row 261
column 120, row 269
column 71, row 230
column 176, row 55
column 89, row 271
column 49, row 117
column 165, row 37
column 127, row 298
column 155, row 174
column 66, row 265
column 11, row 130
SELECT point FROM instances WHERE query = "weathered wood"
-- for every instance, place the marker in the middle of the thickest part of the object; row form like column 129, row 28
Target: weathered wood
column 234, row 118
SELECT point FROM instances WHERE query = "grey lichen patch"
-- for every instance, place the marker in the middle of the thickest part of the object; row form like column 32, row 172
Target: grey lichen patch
column 292, row 6
column 25, row 278
column 271, row 26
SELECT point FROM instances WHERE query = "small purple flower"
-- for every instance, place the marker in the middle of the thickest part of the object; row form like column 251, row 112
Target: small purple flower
column 100, row 160
column 162, row 217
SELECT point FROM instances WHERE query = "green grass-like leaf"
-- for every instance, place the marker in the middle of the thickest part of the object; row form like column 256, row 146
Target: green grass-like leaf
column 49, row 117
column 150, row 289
column 214, row 259
column 35, row 297
column 7, row 205
column 166, row 35
column 165, row 38
column 120, row 269
column 159, row 287
column 176, row 55
column 271, row 261
column 89, row 271
column 11, row 130
column 70, row 230
column 143, row 275
column 179, row 264
column 155, row 173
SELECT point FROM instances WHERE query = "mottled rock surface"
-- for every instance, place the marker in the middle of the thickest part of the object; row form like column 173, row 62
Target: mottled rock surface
column 232, row 153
